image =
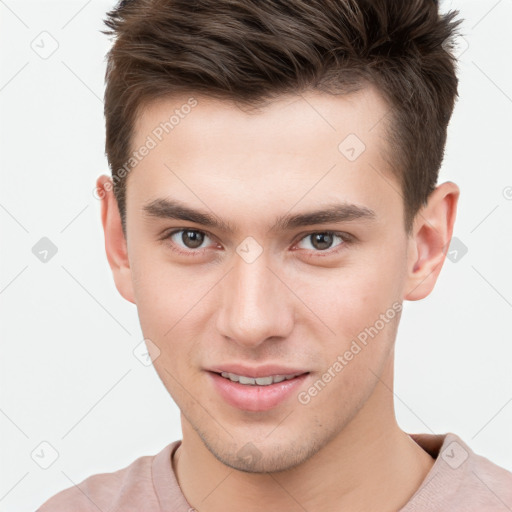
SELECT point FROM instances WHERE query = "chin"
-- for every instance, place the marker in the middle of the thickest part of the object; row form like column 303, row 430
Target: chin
column 269, row 457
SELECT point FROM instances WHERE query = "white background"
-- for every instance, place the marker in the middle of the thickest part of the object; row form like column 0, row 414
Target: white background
column 68, row 373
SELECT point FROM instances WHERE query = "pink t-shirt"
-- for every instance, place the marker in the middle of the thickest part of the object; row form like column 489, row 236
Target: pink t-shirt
column 458, row 481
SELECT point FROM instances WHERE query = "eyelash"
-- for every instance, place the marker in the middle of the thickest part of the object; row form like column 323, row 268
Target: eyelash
column 346, row 237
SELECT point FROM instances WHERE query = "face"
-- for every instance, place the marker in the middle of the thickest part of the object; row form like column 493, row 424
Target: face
column 260, row 279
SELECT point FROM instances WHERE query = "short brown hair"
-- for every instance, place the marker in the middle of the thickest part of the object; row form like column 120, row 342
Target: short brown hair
column 251, row 51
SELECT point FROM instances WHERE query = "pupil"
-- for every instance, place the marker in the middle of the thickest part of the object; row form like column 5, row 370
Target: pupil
column 195, row 236
column 318, row 243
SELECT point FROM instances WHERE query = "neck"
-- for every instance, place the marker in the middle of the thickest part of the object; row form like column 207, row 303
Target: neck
column 371, row 465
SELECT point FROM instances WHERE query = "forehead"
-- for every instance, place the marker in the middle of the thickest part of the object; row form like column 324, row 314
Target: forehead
column 286, row 123
column 303, row 148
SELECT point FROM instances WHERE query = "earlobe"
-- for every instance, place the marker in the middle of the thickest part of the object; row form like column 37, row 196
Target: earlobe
column 428, row 244
column 115, row 242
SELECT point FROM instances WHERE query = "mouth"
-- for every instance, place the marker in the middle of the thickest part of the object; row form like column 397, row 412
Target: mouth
column 256, row 394
column 258, row 381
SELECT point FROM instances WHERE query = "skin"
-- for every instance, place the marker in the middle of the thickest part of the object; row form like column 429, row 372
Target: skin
column 293, row 305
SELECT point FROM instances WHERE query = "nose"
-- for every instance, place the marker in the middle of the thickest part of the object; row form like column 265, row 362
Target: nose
column 255, row 303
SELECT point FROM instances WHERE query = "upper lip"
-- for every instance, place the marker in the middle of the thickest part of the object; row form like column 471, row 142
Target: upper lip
column 257, row 371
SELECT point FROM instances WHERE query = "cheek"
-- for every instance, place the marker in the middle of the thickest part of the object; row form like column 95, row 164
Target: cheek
column 172, row 304
column 365, row 326
column 354, row 297
column 361, row 306
column 162, row 292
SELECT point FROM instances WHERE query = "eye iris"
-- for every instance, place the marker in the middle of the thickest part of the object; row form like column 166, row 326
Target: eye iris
column 324, row 240
column 195, row 237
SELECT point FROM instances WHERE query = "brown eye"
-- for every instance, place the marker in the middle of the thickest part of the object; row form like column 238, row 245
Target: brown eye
column 187, row 240
column 321, row 241
column 192, row 239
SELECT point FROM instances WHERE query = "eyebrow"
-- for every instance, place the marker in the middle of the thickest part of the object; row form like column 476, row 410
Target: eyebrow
column 165, row 208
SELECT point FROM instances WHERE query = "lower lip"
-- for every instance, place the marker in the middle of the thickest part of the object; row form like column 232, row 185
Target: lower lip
column 255, row 398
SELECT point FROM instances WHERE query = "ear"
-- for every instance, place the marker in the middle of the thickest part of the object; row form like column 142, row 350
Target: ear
column 429, row 240
column 115, row 242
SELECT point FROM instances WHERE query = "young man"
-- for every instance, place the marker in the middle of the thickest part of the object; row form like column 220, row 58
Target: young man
column 273, row 202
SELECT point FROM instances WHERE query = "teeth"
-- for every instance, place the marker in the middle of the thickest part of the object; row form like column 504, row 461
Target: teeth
column 260, row 381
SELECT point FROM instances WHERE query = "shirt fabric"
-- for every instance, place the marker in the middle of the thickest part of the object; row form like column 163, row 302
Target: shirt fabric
column 459, row 480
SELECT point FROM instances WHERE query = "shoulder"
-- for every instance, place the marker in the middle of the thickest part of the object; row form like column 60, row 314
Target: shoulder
column 488, row 485
column 460, row 479
column 130, row 485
